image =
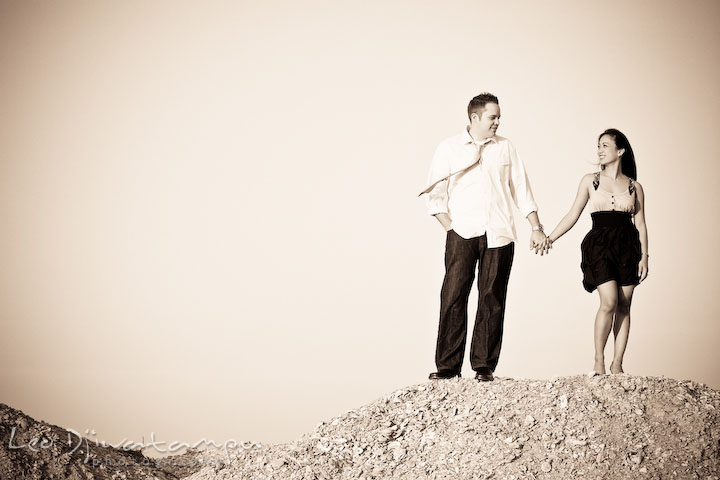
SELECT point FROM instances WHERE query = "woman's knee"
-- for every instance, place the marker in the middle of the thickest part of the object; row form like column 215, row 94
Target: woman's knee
column 608, row 304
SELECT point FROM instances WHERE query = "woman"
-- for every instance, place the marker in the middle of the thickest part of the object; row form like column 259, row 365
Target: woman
column 614, row 252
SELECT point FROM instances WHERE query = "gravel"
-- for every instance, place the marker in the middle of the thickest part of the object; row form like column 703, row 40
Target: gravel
column 579, row 427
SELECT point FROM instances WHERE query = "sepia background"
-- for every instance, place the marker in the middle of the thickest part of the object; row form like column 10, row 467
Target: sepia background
column 210, row 216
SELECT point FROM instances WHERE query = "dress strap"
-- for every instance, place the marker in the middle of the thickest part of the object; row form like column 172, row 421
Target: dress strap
column 631, row 188
column 596, row 181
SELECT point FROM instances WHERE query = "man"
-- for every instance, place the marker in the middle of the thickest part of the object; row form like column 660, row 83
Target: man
column 475, row 179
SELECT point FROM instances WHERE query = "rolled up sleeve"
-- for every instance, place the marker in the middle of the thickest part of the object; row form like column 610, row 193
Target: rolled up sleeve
column 437, row 198
column 521, row 190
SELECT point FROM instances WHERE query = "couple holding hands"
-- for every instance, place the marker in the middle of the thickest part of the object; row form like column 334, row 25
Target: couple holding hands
column 475, row 181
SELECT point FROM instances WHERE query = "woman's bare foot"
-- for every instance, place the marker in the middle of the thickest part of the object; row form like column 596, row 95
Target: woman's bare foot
column 599, row 367
column 616, row 368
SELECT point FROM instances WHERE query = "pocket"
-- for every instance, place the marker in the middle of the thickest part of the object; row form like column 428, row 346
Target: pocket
column 502, row 164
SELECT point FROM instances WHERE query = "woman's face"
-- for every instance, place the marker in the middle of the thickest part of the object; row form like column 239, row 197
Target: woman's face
column 607, row 150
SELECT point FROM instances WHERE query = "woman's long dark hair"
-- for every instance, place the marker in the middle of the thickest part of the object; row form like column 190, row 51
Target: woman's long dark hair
column 627, row 161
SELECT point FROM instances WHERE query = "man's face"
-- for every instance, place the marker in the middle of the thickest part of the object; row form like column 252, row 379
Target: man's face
column 488, row 120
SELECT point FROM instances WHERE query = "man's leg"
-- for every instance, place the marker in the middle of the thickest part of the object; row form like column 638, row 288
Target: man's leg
column 493, row 275
column 460, row 258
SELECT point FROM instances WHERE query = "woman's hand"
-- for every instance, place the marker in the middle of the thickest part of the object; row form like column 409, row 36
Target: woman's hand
column 643, row 267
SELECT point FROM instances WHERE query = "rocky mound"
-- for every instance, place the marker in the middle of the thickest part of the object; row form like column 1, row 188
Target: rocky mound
column 609, row 427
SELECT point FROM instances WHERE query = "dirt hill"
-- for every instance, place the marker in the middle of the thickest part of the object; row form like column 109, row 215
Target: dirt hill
column 580, row 427
column 609, row 427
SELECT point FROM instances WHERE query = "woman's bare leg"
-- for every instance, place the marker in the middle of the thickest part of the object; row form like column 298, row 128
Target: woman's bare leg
column 604, row 321
column 621, row 326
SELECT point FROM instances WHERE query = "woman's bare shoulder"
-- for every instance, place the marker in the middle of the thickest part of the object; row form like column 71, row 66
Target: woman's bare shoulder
column 588, row 178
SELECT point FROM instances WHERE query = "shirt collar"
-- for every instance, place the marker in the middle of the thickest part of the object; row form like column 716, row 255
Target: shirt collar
column 467, row 138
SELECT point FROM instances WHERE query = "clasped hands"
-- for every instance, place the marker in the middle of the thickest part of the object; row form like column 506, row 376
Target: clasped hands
column 540, row 242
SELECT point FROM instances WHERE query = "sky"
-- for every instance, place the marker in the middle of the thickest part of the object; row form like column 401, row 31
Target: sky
column 211, row 222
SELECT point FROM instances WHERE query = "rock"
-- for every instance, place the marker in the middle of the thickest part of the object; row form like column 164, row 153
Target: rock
column 576, row 442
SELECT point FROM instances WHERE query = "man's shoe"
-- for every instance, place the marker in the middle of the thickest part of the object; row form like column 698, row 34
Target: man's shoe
column 444, row 375
column 484, row 375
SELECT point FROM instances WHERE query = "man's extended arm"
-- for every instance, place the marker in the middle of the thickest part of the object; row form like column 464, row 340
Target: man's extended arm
column 525, row 201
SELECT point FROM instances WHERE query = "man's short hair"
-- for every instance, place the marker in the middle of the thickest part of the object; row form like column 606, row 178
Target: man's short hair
column 478, row 103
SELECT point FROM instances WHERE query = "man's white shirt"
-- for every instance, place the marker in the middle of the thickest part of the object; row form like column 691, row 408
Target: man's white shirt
column 479, row 193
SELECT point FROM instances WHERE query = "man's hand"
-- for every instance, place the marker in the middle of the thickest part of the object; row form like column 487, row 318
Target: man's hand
column 540, row 243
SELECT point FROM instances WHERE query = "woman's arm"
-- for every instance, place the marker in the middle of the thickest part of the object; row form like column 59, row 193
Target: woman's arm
column 642, row 230
column 572, row 216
